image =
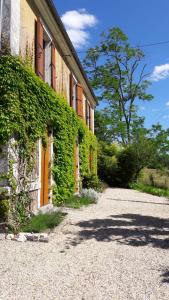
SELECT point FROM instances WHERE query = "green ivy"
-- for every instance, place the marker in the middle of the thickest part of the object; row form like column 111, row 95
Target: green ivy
column 27, row 106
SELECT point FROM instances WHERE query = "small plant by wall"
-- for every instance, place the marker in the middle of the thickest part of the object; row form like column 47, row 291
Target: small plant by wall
column 28, row 107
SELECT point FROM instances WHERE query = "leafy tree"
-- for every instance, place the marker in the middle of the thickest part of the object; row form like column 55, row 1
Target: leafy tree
column 160, row 138
column 117, row 73
column 103, row 126
column 144, row 151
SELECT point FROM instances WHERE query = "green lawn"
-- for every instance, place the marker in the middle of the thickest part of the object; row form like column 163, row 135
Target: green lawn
column 150, row 189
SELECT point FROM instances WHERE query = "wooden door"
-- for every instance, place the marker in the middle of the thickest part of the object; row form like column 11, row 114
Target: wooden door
column 45, row 160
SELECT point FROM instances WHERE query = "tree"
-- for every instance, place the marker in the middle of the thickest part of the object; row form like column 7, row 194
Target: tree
column 103, row 128
column 117, row 73
column 160, row 139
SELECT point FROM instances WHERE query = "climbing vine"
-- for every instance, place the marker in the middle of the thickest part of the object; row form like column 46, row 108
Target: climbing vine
column 27, row 107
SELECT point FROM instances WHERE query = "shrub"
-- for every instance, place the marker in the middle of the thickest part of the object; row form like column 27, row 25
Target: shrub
column 43, row 222
column 4, row 209
column 91, row 181
column 91, row 194
column 127, row 167
column 4, row 204
column 76, row 201
column 119, row 166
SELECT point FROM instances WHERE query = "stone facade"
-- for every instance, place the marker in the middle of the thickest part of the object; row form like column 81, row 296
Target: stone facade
column 10, row 24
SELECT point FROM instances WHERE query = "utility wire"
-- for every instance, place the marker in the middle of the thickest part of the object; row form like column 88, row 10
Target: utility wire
column 134, row 47
column 159, row 115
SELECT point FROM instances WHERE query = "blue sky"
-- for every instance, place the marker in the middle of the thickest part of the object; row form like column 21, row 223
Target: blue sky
column 144, row 21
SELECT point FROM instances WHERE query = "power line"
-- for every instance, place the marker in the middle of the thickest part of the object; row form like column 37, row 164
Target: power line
column 152, row 44
column 157, row 117
column 134, row 47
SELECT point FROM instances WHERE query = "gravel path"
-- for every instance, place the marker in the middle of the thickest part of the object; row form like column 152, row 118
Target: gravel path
column 115, row 250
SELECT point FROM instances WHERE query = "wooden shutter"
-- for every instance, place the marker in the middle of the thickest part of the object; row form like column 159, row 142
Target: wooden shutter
column 79, row 101
column 53, row 67
column 39, row 49
column 86, row 112
column 71, row 84
column 91, row 118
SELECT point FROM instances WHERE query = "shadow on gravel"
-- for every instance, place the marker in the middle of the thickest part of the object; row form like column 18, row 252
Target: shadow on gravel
column 128, row 229
column 165, row 277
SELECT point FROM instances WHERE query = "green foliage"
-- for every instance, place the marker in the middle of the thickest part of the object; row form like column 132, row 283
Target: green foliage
column 119, row 166
column 4, row 204
column 75, row 201
column 4, row 209
column 102, row 125
column 43, row 222
column 92, row 181
column 126, row 166
column 150, row 190
column 28, row 107
column 117, row 72
column 88, row 143
column 107, row 163
column 160, row 139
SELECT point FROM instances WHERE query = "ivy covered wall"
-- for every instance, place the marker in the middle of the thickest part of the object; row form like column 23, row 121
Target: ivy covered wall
column 27, row 107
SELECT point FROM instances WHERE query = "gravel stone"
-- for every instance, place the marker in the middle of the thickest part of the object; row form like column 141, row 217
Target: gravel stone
column 117, row 249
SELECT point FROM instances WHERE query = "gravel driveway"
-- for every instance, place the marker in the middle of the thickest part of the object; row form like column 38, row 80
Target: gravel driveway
column 115, row 250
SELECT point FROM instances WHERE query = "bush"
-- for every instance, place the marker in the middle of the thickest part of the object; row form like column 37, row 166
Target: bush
column 127, row 167
column 91, row 194
column 119, row 166
column 76, row 201
column 4, row 204
column 107, row 169
column 43, row 222
column 91, row 181
column 4, row 209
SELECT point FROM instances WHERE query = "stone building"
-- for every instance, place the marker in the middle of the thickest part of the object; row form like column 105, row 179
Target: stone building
column 34, row 27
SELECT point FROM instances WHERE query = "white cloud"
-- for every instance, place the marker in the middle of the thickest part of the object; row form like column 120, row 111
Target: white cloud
column 160, row 72
column 76, row 23
column 166, row 117
column 167, row 103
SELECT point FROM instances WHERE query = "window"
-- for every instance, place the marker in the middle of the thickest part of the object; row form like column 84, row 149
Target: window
column 73, row 91
column 47, row 58
column 45, row 55
column 87, row 110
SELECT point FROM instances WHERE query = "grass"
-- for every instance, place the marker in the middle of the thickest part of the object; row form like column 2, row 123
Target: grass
column 155, row 177
column 46, row 222
column 43, row 222
column 76, row 201
column 150, row 189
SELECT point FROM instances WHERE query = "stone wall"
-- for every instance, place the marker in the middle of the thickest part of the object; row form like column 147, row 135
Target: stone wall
column 10, row 24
